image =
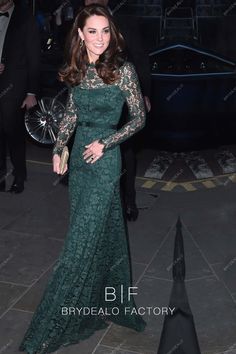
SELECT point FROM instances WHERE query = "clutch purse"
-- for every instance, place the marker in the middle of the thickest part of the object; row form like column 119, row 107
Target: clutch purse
column 64, row 159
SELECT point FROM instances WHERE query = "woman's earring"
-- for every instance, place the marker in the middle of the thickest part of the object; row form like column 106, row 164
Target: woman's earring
column 81, row 43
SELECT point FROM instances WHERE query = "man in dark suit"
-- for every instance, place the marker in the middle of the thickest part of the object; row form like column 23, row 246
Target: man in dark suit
column 19, row 72
column 137, row 54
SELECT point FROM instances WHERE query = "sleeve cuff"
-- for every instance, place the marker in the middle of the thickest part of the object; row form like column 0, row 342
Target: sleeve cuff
column 57, row 151
column 101, row 141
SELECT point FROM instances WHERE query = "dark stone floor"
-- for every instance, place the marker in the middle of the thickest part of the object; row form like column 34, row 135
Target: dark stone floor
column 32, row 230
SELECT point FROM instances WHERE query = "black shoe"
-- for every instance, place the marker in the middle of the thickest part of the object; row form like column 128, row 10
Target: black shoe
column 17, row 187
column 132, row 212
column 3, row 186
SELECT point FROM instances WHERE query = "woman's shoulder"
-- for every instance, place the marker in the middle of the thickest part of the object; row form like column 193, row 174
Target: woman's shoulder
column 127, row 75
column 127, row 66
column 127, row 72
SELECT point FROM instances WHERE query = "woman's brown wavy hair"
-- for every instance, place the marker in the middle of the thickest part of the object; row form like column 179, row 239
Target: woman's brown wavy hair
column 76, row 56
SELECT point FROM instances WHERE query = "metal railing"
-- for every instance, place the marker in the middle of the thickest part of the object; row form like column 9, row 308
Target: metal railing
column 185, row 22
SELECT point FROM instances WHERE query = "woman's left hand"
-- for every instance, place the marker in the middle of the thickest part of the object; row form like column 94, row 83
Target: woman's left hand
column 93, row 151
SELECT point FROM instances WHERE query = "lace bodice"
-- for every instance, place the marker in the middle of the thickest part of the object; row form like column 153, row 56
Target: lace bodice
column 128, row 83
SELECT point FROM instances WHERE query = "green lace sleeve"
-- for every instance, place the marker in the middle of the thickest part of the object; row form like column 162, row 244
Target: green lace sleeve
column 129, row 84
column 67, row 125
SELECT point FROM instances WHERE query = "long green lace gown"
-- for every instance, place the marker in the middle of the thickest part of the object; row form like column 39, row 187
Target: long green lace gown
column 95, row 252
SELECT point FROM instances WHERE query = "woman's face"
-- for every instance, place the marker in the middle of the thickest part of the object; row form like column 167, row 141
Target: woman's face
column 96, row 35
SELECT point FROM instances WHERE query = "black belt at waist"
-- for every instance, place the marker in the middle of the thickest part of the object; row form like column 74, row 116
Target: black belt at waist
column 97, row 125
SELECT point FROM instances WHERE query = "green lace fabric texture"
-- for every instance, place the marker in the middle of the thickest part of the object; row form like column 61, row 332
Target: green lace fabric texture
column 95, row 256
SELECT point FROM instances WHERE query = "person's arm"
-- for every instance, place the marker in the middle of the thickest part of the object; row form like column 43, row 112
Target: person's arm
column 32, row 49
column 67, row 125
column 129, row 84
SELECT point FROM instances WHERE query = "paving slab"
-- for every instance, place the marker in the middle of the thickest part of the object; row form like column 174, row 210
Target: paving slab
column 12, row 328
column 214, row 314
column 48, row 217
column 24, row 257
column 9, row 293
column 14, row 325
column 226, row 272
column 102, row 349
column 162, row 264
column 216, row 240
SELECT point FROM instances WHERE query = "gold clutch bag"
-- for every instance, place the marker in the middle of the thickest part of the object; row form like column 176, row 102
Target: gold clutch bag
column 64, row 159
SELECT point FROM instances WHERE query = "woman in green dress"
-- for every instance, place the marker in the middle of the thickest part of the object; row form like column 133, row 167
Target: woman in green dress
column 91, row 280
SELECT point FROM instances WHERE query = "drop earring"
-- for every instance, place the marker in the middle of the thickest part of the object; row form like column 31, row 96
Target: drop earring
column 81, row 43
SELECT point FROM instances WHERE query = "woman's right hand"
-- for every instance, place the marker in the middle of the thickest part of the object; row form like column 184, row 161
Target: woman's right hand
column 56, row 165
